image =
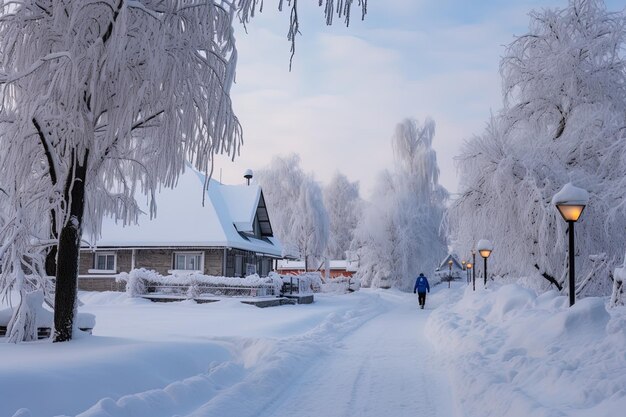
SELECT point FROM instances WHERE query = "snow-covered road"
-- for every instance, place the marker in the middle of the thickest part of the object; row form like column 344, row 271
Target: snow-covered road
column 386, row 367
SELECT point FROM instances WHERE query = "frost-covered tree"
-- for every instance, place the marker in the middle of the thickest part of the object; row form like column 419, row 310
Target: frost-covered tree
column 281, row 182
column 564, row 120
column 343, row 204
column 113, row 96
column 310, row 223
column 110, row 95
column 375, row 237
column 401, row 228
column 296, row 207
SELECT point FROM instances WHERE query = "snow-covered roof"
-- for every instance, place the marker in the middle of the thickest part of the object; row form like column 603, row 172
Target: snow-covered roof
column 445, row 266
column 183, row 221
column 289, row 264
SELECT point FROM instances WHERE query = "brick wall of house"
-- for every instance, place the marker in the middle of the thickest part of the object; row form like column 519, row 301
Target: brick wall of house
column 124, row 260
column 159, row 260
column 86, row 261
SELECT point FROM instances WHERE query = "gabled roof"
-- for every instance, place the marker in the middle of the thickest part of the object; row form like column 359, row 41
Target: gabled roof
column 245, row 203
column 183, row 221
column 455, row 263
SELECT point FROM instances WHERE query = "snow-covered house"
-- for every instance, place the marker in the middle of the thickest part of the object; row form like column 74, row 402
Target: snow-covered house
column 230, row 234
column 454, row 270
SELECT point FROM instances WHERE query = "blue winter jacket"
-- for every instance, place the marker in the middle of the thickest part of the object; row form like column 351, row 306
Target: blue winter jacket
column 421, row 284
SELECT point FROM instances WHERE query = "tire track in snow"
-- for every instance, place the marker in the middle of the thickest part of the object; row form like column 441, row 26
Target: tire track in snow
column 386, row 368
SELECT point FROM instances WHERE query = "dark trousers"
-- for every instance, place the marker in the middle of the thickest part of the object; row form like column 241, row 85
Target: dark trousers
column 421, row 296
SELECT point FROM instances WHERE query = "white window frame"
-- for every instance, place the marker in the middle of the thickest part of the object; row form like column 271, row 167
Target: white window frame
column 95, row 270
column 174, row 270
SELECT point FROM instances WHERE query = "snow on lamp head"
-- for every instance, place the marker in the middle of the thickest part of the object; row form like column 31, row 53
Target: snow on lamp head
column 484, row 248
column 248, row 175
column 571, row 202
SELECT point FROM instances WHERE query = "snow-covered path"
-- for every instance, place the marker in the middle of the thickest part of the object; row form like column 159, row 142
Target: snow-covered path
column 361, row 354
column 384, row 368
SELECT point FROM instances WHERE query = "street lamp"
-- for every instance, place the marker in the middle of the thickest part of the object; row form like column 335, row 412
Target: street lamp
column 469, row 271
column 484, row 248
column 474, row 271
column 571, row 202
column 450, row 273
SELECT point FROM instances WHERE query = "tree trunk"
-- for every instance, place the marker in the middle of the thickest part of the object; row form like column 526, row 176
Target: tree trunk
column 51, row 261
column 69, row 251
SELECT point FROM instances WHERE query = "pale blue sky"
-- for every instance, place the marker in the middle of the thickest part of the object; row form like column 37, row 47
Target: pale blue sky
column 348, row 87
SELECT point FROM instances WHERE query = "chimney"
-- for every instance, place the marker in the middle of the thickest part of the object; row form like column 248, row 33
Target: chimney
column 248, row 175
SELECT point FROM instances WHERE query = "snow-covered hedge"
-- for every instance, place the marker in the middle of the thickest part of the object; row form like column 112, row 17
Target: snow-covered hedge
column 138, row 281
column 529, row 355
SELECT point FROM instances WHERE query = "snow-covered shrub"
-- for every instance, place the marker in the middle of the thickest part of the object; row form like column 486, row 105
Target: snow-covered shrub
column 619, row 278
column 136, row 280
column 275, row 281
column 194, row 290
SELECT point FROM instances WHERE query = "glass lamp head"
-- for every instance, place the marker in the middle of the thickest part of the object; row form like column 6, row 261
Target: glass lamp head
column 570, row 211
column 485, row 253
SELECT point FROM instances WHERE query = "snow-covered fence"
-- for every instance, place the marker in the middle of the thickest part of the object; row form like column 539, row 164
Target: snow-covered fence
column 141, row 282
column 340, row 285
column 306, row 283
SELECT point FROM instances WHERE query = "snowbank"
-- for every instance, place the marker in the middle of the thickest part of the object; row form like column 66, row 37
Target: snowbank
column 528, row 355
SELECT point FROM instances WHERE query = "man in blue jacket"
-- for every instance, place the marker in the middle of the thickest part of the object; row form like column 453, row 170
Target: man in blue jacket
column 421, row 286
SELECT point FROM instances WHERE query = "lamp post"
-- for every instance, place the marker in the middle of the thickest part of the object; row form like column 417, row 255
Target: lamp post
column 450, row 273
column 474, row 271
column 571, row 202
column 484, row 248
column 469, row 266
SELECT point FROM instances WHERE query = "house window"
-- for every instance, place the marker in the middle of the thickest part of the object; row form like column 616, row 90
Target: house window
column 238, row 265
column 189, row 261
column 104, row 262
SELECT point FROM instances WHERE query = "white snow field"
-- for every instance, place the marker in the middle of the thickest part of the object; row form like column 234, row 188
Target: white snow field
column 356, row 354
column 503, row 351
